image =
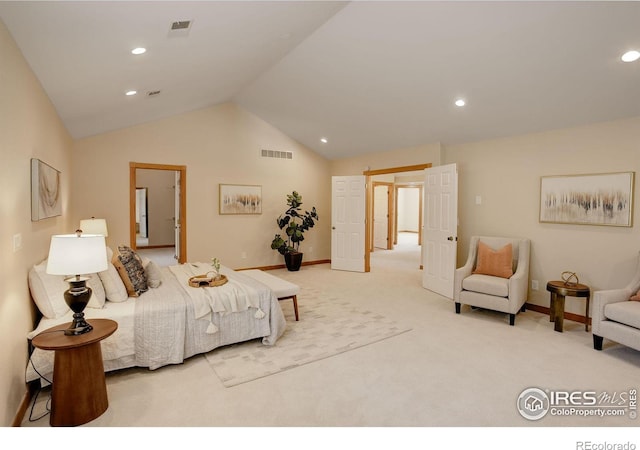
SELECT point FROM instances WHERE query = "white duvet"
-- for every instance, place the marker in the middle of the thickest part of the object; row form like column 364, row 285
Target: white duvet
column 170, row 323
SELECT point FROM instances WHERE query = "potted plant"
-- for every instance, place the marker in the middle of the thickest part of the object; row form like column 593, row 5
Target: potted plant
column 294, row 224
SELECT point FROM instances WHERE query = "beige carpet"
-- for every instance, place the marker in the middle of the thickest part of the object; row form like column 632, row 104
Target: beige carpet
column 328, row 326
column 449, row 371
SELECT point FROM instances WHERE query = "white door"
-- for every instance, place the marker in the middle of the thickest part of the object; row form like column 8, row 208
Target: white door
column 348, row 203
column 440, row 229
column 141, row 212
column 176, row 218
column 381, row 216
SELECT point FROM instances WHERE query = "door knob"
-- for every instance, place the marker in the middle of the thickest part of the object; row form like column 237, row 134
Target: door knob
column 451, row 238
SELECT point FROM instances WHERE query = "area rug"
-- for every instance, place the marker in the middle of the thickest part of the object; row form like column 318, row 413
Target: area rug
column 327, row 327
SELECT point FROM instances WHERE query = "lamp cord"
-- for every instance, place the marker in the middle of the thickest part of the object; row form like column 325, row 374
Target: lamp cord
column 35, row 398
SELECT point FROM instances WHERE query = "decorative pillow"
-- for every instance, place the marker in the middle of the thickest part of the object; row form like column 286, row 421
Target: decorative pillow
column 154, row 275
column 497, row 263
column 635, row 297
column 114, row 288
column 129, row 267
column 48, row 291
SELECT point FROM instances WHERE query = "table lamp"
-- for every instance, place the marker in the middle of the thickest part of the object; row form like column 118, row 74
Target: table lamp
column 94, row 226
column 77, row 254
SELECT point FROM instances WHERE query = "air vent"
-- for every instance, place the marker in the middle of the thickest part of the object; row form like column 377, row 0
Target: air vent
column 181, row 25
column 153, row 93
column 276, row 154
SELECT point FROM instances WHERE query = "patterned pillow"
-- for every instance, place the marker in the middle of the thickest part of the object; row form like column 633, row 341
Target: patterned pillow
column 129, row 267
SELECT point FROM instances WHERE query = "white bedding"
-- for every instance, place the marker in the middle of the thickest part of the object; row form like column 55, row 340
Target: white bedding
column 161, row 326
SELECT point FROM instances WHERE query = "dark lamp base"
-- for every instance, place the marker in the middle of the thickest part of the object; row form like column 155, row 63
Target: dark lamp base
column 77, row 297
column 78, row 326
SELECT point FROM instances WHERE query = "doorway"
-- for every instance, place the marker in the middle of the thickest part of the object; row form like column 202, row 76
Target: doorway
column 392, row 172
column 408, row 212
column 139, row 222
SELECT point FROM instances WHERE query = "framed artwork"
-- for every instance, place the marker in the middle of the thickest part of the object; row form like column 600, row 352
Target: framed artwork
column 240, row 199
column 597, row 199
column 46, row 192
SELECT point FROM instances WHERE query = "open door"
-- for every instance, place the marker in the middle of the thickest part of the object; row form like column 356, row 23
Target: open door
column 440, row 229
column 348, row 203
column 381, row 218
column 176, row 217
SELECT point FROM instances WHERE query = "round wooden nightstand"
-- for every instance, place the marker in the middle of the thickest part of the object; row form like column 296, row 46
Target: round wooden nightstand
column 558, row 291
column 79, row 390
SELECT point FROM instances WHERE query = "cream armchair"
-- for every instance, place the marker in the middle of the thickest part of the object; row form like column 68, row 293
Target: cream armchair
column 615, row 317
column 491, row 289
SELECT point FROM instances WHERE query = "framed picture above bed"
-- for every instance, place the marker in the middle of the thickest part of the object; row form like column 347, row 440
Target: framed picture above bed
column 596, row 199
column 46, row 192
column 240, row 199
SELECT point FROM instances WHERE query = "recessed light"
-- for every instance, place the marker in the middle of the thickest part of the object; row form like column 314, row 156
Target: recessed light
column 130, row 93
column 324, row 140
column 460, row 102
column 630, row 56
column 138, row 50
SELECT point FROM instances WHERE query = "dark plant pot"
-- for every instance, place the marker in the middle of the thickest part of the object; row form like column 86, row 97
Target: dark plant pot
column 293, row 261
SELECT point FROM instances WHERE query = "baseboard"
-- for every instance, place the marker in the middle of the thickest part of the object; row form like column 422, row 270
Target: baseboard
column 569, row 316
column 282, row 266
column 24, row 405
column 145, row 247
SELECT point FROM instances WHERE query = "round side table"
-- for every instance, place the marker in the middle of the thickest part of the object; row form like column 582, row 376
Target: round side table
column 559, row 290
column 79, row 389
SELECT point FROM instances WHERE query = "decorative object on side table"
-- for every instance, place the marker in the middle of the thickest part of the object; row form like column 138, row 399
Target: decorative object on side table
column 294, row 224
column 570, row 278
column 77, row 254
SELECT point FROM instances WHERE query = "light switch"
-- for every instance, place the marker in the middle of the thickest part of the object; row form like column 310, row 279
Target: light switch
column 478, row 200
column 17, row 242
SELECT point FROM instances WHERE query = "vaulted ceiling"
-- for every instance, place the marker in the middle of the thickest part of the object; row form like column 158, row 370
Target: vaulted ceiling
column 364, row 75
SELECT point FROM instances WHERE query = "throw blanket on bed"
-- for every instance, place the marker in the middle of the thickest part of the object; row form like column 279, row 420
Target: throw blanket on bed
column 160, row 324
column 231, row 297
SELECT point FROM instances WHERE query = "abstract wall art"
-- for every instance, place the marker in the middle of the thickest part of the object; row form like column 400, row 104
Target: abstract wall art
column 597, row 199
column 46, row 192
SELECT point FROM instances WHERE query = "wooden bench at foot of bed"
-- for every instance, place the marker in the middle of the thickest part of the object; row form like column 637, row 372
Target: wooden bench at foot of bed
column 281, row 288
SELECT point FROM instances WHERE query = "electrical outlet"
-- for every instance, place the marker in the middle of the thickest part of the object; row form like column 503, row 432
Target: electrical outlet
column 534, row 285
column 243, row 255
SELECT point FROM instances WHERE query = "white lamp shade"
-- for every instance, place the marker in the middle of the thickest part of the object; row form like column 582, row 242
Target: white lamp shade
column 70, row 254
column 94, row 226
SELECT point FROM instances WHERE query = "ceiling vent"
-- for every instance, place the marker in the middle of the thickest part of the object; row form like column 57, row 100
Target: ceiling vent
column 180, row 25
column 276, row 154
column 180, row 28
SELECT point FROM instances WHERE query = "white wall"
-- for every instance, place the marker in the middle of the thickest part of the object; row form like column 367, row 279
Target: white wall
column 506, row 174
column 408, row 209
column 29, row 128
column 220, row 144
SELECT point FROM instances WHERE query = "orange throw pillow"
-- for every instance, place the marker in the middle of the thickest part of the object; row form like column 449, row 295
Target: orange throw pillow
column 636, row 297
column 498, row 263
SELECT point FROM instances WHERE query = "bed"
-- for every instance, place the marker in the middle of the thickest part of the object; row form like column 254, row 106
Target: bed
column 163, row 325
